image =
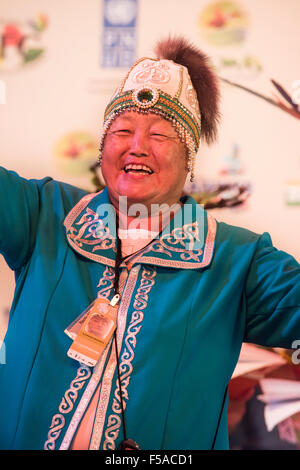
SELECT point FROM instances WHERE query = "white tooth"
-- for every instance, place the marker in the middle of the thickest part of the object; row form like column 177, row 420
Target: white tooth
column 132, row 166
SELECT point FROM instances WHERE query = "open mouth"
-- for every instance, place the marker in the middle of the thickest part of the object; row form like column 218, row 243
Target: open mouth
column 138, row 169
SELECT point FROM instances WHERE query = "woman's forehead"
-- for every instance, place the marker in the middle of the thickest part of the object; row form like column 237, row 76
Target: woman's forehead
column 136, row 118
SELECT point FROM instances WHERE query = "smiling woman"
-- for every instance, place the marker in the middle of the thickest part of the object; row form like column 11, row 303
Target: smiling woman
column 180, row 299
column 144, row 160
column 172, row 87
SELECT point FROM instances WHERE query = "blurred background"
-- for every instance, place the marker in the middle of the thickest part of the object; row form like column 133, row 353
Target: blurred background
column 60, row 61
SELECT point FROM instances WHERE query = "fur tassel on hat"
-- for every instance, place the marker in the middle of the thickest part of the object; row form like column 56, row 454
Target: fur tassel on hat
column 203, row 78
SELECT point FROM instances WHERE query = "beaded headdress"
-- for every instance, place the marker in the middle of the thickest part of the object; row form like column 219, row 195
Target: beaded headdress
column 178, row 85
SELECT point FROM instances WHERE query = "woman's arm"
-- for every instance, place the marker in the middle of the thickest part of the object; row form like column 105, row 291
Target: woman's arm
column 273, row 297
column 19, row 216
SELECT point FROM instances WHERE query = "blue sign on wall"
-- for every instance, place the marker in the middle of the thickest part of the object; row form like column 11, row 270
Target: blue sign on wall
column 119, row 33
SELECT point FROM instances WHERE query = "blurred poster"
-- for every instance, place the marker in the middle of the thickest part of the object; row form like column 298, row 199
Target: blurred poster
column 119, row 33
column 229, row 189
column 21, row 42
column 224, row 23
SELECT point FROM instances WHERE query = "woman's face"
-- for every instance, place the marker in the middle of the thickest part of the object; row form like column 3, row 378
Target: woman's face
column 144, row 160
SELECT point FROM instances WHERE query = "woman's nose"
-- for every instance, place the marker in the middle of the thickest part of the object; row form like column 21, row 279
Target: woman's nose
column 139, row 144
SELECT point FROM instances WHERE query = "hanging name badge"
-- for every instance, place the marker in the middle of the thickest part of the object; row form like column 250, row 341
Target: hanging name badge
column 96, row 329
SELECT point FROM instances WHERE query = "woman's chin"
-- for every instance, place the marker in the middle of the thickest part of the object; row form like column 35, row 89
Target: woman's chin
column 136, row 191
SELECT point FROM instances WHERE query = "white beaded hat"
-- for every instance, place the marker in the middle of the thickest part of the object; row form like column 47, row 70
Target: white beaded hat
column 163, row 86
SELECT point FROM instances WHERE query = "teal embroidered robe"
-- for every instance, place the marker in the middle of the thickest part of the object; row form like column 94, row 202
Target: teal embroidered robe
column 187, row 305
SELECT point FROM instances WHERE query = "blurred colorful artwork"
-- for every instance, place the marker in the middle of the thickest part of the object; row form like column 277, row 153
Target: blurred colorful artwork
column 21, row 43
column 231, row 163
column 119, row 33
column 264, row 400
column 228, row 189
column 216, row 194
column 242, row 68
column 289, row 429
column 223, row 22
column 281, row 98
column 76, row 152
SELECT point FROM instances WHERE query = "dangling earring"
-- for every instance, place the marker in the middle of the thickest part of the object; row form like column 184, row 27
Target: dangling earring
column 193, row 161
column 191, row 155
column 101, row 144
column 191, row 165
column 100, row 157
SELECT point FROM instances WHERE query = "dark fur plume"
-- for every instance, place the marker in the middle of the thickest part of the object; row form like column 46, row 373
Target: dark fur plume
column 203, row 79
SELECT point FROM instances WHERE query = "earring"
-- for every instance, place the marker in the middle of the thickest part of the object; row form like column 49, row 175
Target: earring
column 192, row 177
column 191, row 165
column 100, row 157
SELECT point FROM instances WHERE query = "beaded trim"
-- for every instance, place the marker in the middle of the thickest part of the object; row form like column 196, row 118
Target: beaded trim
column 145, row 97
column 165, row 103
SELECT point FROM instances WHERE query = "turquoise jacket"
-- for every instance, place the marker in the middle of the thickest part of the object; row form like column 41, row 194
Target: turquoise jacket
column 187, row 305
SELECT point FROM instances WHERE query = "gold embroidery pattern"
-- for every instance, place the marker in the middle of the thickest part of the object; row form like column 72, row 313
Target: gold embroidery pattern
column 152, row 72
column 85, row 400
column 191, row 96
column 91, row 231
column 177, row 240
column 66, row 405
column 58, row 422
column 185, row 255
column 140, row 303
column 71, row 395
column 86, row 237
column 92, row 256
column 111, row 366
column 107, row 282
column 78, row 208
column 114, row 424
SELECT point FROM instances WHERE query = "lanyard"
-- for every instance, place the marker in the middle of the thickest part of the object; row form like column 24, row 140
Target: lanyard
column 129, row 444
column 126, row 444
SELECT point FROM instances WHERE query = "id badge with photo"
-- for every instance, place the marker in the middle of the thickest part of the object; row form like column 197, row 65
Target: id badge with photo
column 92, row 331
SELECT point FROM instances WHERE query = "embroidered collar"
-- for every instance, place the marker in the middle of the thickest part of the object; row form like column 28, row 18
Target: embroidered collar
column 186, row 242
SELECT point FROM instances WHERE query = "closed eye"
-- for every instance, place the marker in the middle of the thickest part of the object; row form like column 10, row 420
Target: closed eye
column 122, row 132
column 162, row 136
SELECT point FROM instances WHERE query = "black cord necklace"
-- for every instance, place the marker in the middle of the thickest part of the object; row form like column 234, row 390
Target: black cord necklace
column 130, row 444
column 126, row 444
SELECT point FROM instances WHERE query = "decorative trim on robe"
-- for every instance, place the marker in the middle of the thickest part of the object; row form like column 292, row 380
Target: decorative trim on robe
column 126, row 367
column 184, row 246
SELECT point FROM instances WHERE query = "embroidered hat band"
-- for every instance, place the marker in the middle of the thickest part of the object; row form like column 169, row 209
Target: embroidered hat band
column 161, row 87
column 180, row 85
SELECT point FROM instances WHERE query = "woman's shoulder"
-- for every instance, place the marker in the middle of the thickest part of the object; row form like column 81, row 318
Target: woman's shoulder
column 240, row 235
